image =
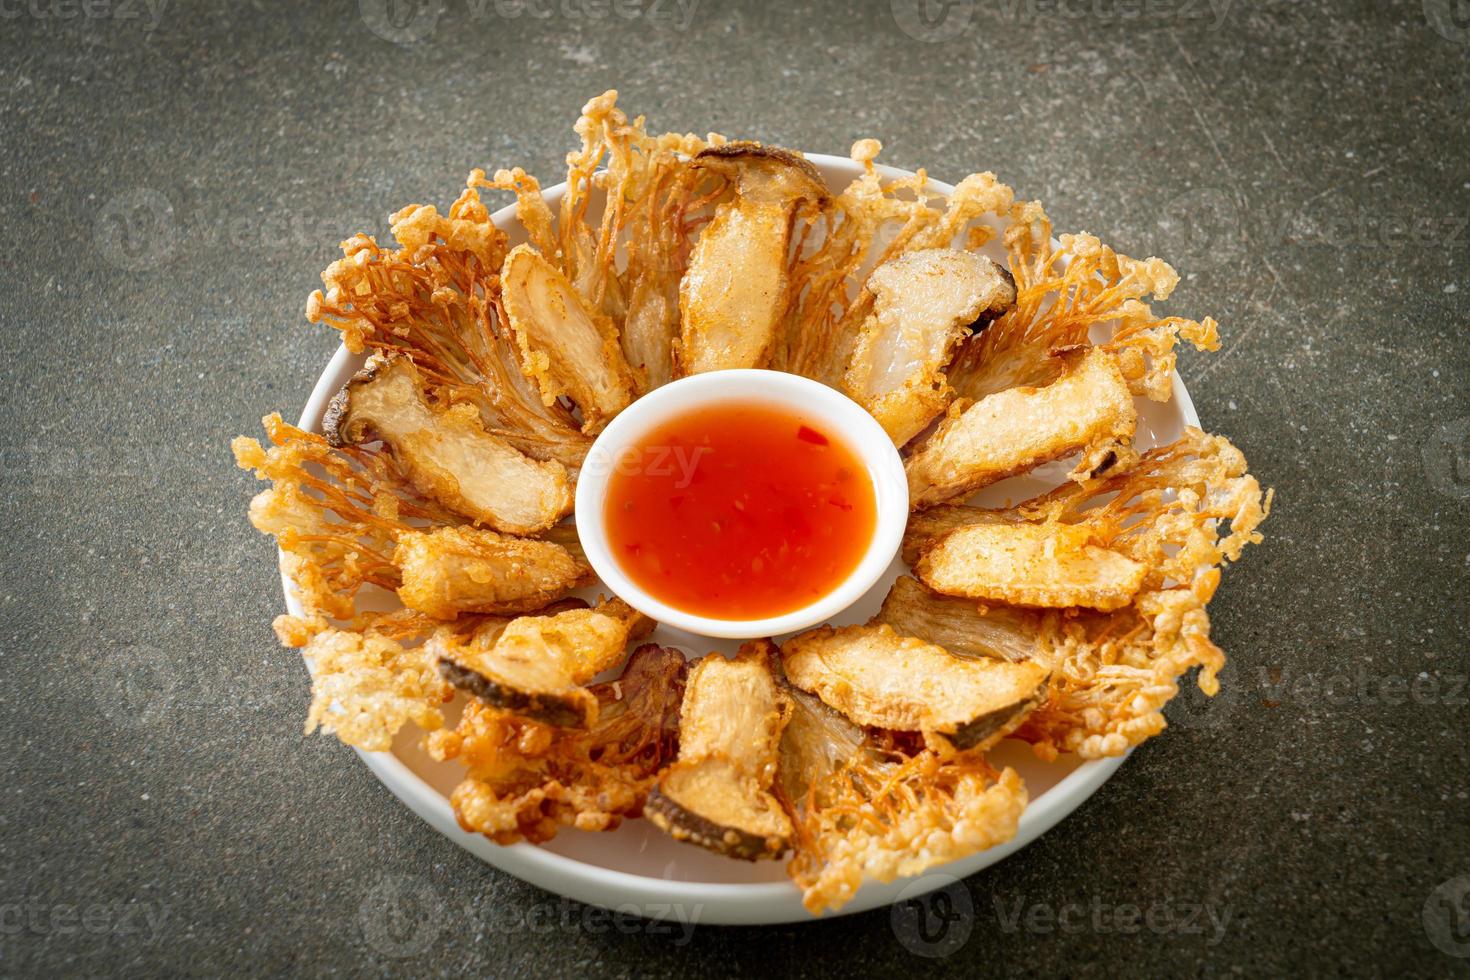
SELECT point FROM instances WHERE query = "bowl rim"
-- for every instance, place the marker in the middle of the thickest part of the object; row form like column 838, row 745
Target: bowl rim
column 713, row 903
column 843, row 417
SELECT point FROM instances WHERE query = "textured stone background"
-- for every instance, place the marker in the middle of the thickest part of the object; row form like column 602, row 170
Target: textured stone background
column 173, row 181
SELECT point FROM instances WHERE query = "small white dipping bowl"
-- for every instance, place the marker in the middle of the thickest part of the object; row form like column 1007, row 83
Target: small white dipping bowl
column 816, row 404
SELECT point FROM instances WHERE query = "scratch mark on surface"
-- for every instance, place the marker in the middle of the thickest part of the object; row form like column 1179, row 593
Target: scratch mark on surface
column 1272, row 147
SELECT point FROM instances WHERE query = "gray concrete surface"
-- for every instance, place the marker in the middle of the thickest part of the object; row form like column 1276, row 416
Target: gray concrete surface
column 173, row 180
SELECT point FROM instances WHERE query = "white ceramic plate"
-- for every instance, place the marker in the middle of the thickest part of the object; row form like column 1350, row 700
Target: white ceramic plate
column 637, row 868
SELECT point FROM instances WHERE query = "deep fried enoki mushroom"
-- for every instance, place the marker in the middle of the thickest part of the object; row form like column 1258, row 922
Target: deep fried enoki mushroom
column 628, row 260
column 432, row 300
column 336, row 514
column 526, row 780
column 881, row 805
column 924, row 302
column 535, row 666
column 346, row 517
column 661, row 233
column 733, row 295
column 927, row 526
column 366, row 686
column 872, row 222
column 1183, row 511
column 1063, row 292
column 446, row 450
column 1088, row 409
column 878, row 678
column 717, row 794
column 565, row 348
column 1168, row 513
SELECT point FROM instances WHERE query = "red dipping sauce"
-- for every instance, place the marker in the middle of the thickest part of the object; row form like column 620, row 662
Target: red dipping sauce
column 739, row 511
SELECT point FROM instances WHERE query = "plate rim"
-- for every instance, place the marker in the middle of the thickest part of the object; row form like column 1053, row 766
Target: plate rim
column 700, row 902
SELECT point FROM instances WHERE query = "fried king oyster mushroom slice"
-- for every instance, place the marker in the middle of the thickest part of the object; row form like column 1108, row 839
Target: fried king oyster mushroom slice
column 453, row 570
column 446, row 451
column 1100, row 543
column 1089, row 409
column 734, row 292
column 565, row 348
column 964, row 627
column 925, row 527
column 876, row 677
column 1050, row 564
column 924, row 303
column 717, row 794
column 535, row 666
